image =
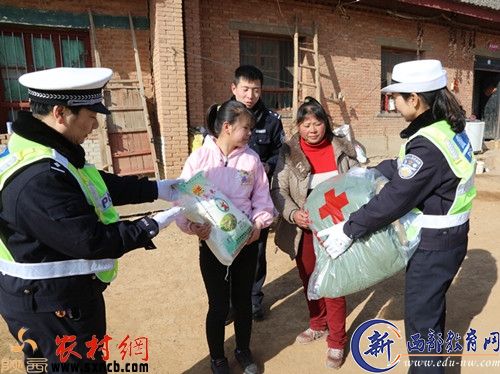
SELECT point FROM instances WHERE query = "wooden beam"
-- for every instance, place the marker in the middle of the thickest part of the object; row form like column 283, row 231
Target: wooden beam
column 308, row 67
column 124, row 107
column 308, row 84
column 316, row 61
column 304, row 49
column 103, row 128
column 468, row 10
column 295, row 95
column 143, row 99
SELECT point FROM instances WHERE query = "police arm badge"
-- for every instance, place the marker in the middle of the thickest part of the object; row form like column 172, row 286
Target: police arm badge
column 410, row 166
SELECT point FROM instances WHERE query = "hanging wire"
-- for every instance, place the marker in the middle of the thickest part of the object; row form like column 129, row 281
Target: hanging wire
column 176, row 50
column 284, row 19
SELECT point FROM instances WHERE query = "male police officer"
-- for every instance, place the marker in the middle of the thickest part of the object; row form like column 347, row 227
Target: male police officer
column 266, row 139
column 60, row 234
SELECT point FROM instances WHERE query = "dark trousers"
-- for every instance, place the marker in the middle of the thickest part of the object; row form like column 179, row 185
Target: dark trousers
column 43, row 328
column 222, row 286
column 260, row 270
column 325, row 313
column 429, row 274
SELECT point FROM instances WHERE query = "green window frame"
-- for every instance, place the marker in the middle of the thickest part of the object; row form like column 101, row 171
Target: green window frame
column 25, row 49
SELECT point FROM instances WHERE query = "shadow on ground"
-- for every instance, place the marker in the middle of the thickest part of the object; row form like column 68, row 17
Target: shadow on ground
column 466, row 298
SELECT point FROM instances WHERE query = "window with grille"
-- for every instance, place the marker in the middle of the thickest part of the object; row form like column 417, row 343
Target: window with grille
column 389, row 58
column 25, row 50
column 274, row 57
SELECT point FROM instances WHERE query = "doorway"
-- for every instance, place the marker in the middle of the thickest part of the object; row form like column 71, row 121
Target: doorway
column 486, row 102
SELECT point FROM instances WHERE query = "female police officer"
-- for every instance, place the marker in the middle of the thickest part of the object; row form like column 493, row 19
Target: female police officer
column 434, row 173
column 59, row 231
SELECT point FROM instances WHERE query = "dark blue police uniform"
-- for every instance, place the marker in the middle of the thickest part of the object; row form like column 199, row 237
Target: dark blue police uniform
column 45, row 217
column 266, row 139
column 440, row 252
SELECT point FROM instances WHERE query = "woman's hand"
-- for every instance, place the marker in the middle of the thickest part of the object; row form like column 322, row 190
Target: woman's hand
column 201, row 229
column 254, row 236
column 301, row 218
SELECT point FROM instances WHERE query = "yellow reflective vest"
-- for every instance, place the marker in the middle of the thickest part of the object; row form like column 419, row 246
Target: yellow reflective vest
column 23, row 152
column 457, row 150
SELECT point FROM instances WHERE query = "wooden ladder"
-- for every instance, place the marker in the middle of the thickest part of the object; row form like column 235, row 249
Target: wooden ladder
column 143, row 99
column 103, row 130
column 125, row 91
column 301, row 50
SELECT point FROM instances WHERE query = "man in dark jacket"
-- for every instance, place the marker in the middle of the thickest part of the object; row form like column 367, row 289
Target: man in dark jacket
column 267, row 138
column 490, row 113
column 60, row 234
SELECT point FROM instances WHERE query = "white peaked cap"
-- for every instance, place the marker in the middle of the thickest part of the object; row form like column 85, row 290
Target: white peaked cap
column 417, row 76
column 68, row 86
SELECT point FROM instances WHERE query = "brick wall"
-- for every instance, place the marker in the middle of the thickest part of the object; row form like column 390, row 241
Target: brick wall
column 167, row 34
column 198, row 40
column 349, row 60
column 194, row 67
column 114, row 46
column 92, row 146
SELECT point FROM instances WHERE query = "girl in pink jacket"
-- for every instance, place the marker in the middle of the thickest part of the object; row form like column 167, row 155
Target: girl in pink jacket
column 237, row 172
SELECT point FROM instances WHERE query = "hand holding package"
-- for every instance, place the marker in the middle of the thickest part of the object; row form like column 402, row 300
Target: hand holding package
column 230, row 229
column 367, row 260
column 335, row 241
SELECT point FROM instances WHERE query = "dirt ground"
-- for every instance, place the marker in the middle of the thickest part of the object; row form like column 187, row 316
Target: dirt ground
column 160, row 295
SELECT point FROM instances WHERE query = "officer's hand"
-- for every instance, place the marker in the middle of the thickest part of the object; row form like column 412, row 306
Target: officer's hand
column 163, row 219
column 167, row 189
column 334, row 240
column 201, row 229
column 254, row 236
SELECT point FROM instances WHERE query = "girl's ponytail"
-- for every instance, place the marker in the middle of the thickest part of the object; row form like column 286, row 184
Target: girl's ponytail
column 211, row 120
column 227, row 112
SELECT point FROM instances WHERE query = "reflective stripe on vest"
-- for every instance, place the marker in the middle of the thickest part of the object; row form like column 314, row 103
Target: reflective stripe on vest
column 23, row 152
column 55, row 269
column 457, row 150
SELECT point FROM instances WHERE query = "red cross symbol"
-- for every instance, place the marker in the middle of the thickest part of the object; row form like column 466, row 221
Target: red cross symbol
column 333, row 206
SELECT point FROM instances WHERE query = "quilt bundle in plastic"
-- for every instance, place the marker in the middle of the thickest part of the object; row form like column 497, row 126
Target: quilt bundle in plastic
column 204, row 203
column 368, row 260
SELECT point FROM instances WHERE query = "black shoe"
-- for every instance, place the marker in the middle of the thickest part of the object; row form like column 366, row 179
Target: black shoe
column 257, row 313
column 219, row 366
column 245, row 359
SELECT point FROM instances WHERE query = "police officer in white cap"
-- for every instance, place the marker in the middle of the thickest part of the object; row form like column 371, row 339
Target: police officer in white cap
column 434, row 173
column 60, row 234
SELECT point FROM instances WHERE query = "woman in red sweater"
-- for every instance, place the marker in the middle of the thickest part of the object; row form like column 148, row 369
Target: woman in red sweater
column 311, row 156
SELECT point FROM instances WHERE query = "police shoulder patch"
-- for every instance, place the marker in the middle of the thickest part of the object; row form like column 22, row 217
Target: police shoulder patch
column 56, row 166
column 410, row 166
column 275, row 114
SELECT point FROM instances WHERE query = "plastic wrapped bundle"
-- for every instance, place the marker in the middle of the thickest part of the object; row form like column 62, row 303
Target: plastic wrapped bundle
column 230, row 227
column 369, row 260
